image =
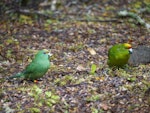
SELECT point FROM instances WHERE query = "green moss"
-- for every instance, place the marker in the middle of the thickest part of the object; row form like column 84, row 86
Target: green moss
column 93, row 98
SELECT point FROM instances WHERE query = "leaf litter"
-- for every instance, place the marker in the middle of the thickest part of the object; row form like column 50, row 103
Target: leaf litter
column 79, row 80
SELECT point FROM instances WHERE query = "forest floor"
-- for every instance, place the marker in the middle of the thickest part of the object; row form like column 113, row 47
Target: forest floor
column 79, row 80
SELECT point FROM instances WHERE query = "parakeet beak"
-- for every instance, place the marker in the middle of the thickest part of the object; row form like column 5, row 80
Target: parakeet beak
column 130, row 50
column 50, row 54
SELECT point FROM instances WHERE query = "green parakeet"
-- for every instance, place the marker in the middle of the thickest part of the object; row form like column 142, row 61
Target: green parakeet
column 37, row 68
column 118, row 55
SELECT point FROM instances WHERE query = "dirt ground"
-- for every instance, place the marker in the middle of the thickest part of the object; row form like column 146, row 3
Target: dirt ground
column 79, row 80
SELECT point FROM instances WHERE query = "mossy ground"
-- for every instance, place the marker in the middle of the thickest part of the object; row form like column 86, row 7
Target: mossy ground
column 79, row 80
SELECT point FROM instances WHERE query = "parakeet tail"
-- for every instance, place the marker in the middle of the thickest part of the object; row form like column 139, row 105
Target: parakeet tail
column 18, row 75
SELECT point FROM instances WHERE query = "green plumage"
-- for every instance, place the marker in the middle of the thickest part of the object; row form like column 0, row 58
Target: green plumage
column 118, row 55
column 37, row 68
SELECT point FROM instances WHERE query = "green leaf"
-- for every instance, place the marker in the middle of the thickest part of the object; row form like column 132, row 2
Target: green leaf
column 49, row 103
column 37, row 90
column 35, row 110
column 49, row 21
column 48, row 94
column 52, row 101
column 131, row 79
column 94, row 110
column 93, row 69
column 56, row 97
column 93, row 98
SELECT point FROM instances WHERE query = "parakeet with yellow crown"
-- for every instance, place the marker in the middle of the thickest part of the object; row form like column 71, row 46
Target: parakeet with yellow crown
column 119, row 54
